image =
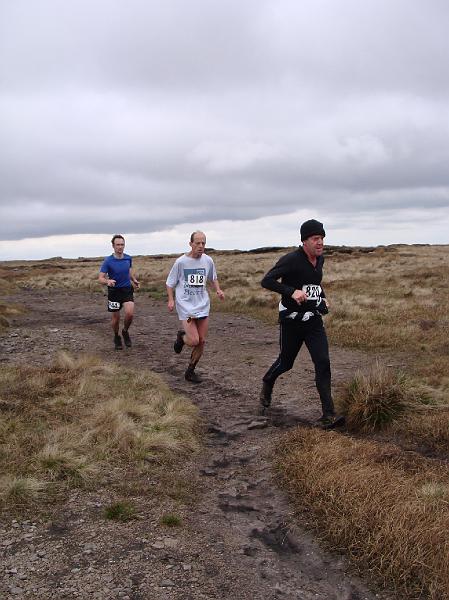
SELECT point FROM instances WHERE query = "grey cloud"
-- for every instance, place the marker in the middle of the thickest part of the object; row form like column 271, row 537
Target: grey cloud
column 348, row 44
column 145, row 114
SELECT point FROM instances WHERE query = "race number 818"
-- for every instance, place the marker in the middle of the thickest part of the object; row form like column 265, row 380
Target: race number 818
column 196, row 279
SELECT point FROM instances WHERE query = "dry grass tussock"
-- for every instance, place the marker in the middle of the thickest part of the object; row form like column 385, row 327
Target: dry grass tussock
column 60, row 425
column 374, row 399
column 390, row 511
column 385, row 399
column 137, row 430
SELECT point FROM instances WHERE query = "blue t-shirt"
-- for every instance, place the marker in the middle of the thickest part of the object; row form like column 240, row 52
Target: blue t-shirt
column 118, row 269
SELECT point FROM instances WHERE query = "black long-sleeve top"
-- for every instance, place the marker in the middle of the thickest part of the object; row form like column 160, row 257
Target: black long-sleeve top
column 295, row 272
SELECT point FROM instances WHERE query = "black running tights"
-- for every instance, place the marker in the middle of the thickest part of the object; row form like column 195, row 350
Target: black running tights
column 293, row 334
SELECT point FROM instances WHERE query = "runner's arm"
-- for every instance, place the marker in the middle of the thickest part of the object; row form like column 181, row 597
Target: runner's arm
column 217, row 288
column 280, row 269
column 171, row 283
column 133, row 278
column 171, row 298
column 104, row 280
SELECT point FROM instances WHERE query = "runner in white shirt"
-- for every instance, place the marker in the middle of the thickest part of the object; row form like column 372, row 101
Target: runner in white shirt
column 186, row 288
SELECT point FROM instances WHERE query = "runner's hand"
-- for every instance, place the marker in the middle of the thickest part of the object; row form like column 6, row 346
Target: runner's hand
column 171, row 305
column 220, row 294
column 136, row 284
column 299, row 296
column 111, row 282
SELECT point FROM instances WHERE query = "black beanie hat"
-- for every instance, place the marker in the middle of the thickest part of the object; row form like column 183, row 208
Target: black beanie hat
column 311, row 227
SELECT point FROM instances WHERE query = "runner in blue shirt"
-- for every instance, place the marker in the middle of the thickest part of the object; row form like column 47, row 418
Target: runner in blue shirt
column 117, row 274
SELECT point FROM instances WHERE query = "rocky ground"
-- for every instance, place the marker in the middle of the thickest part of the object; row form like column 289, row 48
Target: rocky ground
column 239, row 539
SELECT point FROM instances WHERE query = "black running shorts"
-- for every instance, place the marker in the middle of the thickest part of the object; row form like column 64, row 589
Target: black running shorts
column 117, row 296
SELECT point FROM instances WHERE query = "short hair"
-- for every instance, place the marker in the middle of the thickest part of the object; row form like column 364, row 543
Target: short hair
column 192, row 235
column 117, row 236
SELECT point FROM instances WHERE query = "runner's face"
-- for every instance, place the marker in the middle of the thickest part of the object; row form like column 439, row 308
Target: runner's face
column 313, row 246
column 119, row 246
column 198, row 245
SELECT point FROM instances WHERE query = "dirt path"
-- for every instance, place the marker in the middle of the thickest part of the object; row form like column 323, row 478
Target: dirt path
column 239, row 540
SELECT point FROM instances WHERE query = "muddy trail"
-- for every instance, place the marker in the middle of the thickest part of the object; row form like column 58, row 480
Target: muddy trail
column 239, row 539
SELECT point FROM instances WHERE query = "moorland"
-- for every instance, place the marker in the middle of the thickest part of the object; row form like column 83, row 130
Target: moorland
column 377, row 491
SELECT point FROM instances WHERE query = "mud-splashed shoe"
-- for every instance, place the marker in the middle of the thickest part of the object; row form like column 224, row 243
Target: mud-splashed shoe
column 191, row 376
column 118, row 342
column 330, row 421
column 265, row 395
column 126, row 338
column 179, row 342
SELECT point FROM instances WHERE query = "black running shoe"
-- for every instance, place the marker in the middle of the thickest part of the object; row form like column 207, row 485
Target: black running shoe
column 191, row 376
column 265, row 394
column 126, row 338
column 331, row 421
column 179, row 342
column 118, row 342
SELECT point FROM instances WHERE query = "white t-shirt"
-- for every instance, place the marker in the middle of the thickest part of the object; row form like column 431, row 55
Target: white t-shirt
column 189, row 277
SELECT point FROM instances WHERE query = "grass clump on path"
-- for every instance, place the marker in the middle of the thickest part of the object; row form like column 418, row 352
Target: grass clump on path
column 120, row 511
column 170, row 520
column 387, row 509
column 69, row 424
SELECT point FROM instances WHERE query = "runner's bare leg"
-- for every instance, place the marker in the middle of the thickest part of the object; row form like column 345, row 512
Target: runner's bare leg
column 202, row 327
column 115, row 321
column 129, row 313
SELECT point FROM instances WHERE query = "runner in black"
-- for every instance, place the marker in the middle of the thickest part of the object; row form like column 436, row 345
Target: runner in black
column 302, row 304
column 116, row 273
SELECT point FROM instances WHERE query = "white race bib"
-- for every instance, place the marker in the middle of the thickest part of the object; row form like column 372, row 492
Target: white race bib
column 114, row 305
column 312, row 291
column 196, row 279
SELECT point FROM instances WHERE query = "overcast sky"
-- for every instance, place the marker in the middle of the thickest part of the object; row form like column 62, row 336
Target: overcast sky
column 243, row 118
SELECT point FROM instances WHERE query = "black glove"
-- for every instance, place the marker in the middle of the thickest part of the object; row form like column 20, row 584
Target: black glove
column 321, row 306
